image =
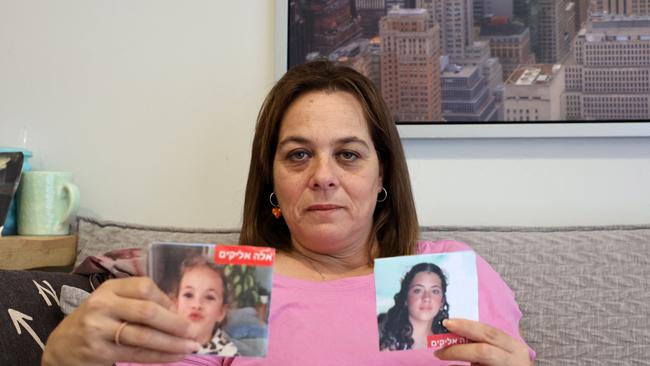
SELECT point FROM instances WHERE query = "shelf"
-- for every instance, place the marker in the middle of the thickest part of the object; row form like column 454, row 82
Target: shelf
column 27, row 252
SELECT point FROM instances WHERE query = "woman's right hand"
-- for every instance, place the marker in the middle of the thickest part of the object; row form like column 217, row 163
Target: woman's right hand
column 154, row 332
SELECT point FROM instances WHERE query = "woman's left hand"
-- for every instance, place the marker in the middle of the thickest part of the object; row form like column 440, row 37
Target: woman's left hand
column 491, row 346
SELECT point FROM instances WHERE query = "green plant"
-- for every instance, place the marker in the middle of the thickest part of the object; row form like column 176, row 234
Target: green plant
column 243, row 286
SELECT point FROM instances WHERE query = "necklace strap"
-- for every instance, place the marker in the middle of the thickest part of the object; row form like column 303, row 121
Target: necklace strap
column 312, row 264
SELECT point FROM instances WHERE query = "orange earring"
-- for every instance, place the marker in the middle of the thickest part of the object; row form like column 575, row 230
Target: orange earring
column 276, row 211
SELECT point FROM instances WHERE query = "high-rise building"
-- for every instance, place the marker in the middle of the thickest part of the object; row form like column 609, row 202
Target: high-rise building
column 582, row 13
column 375, row 62
column 410, row 65
column 608, row 76
column 534, row 93
column 433, row 10
column 526, row 12
column 300, row 27
column 466, row 96
column 479, row 10
column 333, row 23
column 455, row 19
column 458, row 23
column 622, row 7
column 434, row 15
column 510, row 43
column 457, row 41
column 555, row 30
column 490, row 8
column 522, row 9
column 370, row 11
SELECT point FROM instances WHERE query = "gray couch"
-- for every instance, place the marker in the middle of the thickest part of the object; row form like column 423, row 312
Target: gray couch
column 584, row 291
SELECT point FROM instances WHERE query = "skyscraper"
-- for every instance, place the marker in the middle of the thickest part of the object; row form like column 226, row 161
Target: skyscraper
column 488, row 8
column 526, row 12
column 333, row 23
column 582, row 13
column 622, row 7
column 458, row 24
column 466, row 96
column 510, row 43
column 555, row 29
column 608, row 77
column 410, row 66
column 370, row 11
column 300, row 27
column 434, row 15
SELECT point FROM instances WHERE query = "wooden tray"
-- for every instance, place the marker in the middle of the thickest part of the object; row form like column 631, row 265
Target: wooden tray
column 26, row 252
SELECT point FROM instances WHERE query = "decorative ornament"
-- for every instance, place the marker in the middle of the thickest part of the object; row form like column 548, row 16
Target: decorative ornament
column 276, row 211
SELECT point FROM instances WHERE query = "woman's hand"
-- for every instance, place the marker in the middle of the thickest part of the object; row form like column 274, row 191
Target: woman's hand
column 154, row 333
column 491, row 346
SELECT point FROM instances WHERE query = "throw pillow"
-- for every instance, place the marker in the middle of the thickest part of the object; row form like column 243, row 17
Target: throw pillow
column 29, row 311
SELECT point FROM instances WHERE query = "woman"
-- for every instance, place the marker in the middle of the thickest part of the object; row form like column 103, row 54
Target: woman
column 420, row 307
column 328, row 187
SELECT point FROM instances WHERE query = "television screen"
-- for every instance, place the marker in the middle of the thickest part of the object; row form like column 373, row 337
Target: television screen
column 487, row 62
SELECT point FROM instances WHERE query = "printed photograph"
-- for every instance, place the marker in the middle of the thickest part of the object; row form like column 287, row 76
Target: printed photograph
column 223, row 290
column 416, row 293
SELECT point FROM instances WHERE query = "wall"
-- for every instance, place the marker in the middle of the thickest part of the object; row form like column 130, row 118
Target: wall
column 151, row 104
column 540, row 182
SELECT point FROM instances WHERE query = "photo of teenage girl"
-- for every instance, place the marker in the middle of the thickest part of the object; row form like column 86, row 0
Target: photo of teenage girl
column 420, row 307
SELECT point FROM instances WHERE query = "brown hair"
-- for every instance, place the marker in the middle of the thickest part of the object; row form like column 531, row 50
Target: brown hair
column 395, row 224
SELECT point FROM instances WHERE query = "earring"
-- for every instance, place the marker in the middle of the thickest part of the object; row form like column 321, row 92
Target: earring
column 276, row 206
column 385, row 195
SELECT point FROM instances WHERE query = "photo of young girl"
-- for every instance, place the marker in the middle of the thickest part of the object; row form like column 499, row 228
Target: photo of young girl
column 222, row 290
column 201, row 296
column 416, row 293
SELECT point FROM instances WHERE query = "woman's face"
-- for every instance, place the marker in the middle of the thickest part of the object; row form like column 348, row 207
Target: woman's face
column 424, row 297
column 326, row 172
column 200, row 300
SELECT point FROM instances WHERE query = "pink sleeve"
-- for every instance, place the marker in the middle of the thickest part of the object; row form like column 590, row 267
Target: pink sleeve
column 497, row 306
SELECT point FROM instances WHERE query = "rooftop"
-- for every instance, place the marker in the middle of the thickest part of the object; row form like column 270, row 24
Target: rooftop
column 400, row 11
column 539, row 74
column 456, row 71
column 613, row 23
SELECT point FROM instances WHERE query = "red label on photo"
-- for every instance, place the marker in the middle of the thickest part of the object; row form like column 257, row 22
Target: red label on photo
column 445, row 340
column 244, row 255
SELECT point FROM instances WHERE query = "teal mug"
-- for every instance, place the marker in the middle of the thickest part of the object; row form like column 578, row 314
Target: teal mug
column 47, row 201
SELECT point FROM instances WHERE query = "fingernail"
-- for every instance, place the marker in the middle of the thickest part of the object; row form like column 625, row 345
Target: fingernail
column 445, row 322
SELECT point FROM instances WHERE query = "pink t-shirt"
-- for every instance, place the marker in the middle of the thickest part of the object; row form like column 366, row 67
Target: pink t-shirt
column 334, row 322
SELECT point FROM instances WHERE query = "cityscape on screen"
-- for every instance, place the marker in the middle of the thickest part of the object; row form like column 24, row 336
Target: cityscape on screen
column 487, row 61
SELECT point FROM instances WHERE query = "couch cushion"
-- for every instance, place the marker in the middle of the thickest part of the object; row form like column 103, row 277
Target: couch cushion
column 29, row 311
column 584, row 291
column 98, row 237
